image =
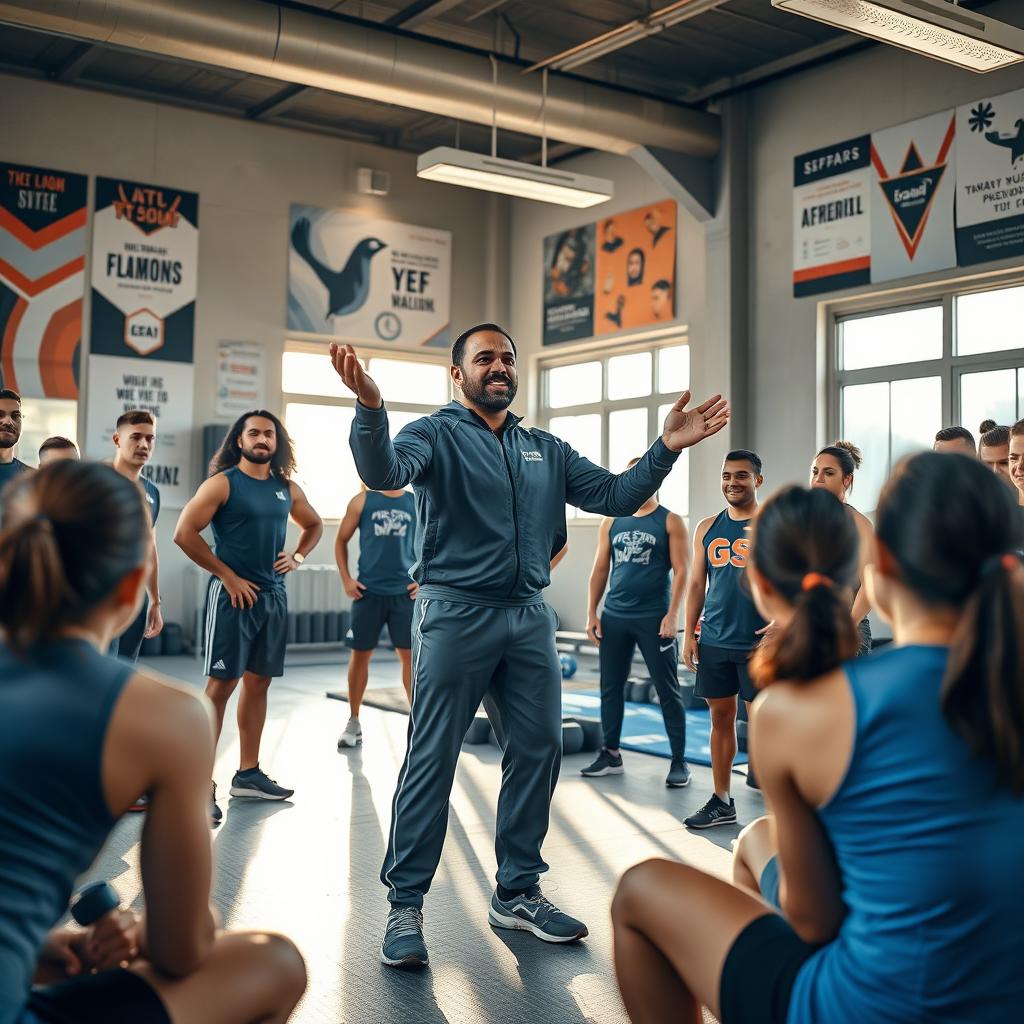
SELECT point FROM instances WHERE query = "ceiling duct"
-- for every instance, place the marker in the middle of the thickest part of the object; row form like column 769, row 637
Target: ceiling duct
column 357, row 58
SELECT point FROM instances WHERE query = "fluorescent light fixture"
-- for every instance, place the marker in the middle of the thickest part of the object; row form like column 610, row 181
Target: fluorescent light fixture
column 512, row 178
column 932, row 28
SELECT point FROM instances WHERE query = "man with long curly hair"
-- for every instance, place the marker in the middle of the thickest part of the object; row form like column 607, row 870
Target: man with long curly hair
column 248, row 500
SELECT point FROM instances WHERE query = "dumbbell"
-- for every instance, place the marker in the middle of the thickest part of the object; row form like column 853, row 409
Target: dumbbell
column 92, row 902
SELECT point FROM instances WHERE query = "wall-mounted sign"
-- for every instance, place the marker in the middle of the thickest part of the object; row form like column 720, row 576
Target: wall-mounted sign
column 364, row 280
column 43, row 215
column 239, row 378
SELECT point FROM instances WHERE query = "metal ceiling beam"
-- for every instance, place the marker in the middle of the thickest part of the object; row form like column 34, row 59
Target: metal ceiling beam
column 420, row 12
column 278, row 103
column 78, row 60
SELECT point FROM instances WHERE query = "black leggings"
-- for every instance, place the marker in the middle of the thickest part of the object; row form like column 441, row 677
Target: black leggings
column 111, row 997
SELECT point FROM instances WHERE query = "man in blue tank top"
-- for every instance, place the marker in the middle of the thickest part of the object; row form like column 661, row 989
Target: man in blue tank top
column 248, row 501
column 382, row 591
column 10, row 433
column 646, row 553
column 134, row 441
column 490, row 500
column 731, row 625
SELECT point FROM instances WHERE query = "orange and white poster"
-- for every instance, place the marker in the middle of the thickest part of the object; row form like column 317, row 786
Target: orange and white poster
column 635, row 277
column 43, row 217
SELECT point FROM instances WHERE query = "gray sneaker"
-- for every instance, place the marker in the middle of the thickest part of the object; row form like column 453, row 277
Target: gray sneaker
column 678, row 775
column 533, row 912
column 606, row 763
column 257, row 785
column 352, row 736
column 403, row 944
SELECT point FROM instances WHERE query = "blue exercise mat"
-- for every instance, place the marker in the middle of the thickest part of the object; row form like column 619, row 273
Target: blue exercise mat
column 643, row 728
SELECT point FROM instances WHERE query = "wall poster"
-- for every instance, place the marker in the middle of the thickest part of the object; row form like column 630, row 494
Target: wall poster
column 43, row 218
column 363, row 280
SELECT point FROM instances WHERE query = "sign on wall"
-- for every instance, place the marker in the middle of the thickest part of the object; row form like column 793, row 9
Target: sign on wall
column 990, row 179
column 831, row 219
column 43, row 215
column 618, row 274
column 364, row 280
column 145, row 267
column 239, row 378
column 912, row 207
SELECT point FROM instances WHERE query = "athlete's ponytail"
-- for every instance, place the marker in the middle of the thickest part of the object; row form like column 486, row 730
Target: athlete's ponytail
column 806, row 547
column 955, row 534
column 69, row 533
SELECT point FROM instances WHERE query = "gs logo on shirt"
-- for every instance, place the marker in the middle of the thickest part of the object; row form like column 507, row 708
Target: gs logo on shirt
column 722, row 552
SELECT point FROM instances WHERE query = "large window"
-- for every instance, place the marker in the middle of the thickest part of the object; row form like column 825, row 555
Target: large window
column 905, row 372
column 611, row 407
column 319, row 409
column 43, row 418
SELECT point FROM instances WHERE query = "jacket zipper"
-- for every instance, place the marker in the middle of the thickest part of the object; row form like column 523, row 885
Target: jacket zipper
column 515, row 505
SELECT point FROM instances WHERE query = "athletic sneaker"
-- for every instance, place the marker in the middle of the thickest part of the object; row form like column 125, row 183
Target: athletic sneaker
column 533, row 912
column 714, row 812
column 140, row 805
column 678, row 775
column 216, row 814
column 256, row 784
column 403, row 944
column 352, row 736
column 607, row 763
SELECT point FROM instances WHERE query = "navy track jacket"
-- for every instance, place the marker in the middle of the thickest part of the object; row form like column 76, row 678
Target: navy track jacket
column 491, row 507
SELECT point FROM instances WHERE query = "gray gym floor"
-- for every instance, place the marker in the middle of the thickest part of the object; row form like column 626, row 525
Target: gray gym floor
column 308, row 867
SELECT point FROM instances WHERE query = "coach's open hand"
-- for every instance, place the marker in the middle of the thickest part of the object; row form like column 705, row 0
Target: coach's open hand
column 354, row 377
column 686, row 427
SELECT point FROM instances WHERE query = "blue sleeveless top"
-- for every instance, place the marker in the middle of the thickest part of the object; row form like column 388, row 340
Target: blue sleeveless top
column 730, row 618
column 55, row 705
column 151, row 493
column 641, row 567
column 387, row 543
column 9, row 470
column 249, row 529
column 930, row 849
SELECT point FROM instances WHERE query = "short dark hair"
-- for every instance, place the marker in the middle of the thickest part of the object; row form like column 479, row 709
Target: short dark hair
column 742, row 455
column 995, row 437
column 956, row 434
column 10, row 394
column 459, row 348
column 57, row 443
column 135, row 417
column 661, row 285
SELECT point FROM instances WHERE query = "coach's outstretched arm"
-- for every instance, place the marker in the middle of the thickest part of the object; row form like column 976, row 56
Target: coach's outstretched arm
column 382, row 465
column 595, row 489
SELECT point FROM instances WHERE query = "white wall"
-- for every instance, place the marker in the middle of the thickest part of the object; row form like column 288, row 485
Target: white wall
column 247, row 175
column 874, row 89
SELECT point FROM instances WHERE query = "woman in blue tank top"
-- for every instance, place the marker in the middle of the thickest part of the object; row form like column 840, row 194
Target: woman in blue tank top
column 896, row 781
column 81, row 735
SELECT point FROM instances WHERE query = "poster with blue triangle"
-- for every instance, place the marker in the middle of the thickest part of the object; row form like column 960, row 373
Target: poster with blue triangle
column 912, row 199
column 990, row 179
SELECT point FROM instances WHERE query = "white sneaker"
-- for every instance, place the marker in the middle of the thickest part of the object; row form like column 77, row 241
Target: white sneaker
column 352, row 736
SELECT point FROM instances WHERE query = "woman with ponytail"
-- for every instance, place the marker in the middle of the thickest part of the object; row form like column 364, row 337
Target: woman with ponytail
column 81, row 735
column 896, row 782
column 833, row 470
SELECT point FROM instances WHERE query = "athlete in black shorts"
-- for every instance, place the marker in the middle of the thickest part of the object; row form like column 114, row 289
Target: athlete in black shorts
column 730, row 626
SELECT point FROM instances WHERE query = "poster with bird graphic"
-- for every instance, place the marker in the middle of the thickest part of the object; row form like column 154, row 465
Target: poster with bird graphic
column 372, row 281
column 990, row 179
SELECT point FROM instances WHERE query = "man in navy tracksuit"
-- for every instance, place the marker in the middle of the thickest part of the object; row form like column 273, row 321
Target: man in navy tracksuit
column 490, row 499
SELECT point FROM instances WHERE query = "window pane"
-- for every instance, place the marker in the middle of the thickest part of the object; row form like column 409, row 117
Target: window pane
column 629, row 376
column 991, row 395
column 584, row 434
column 916, row 415
column 990, row 321
column 42, row 418
column 866, row 424
column 403, row 380
column 577, row 384
column 325, row 469
column 627, row 437
column 675, row 490
column 887, row 339
column 310, row 373
column 1020, row 393
column 673, row 368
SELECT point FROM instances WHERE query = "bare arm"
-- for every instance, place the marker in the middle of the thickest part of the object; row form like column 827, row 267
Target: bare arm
column 154, row 617
column 696, row 585
column 346, row 531
column 810, row 888
column 561, row 554
column 599, row 578
column 679, row 556
column 866, row 532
